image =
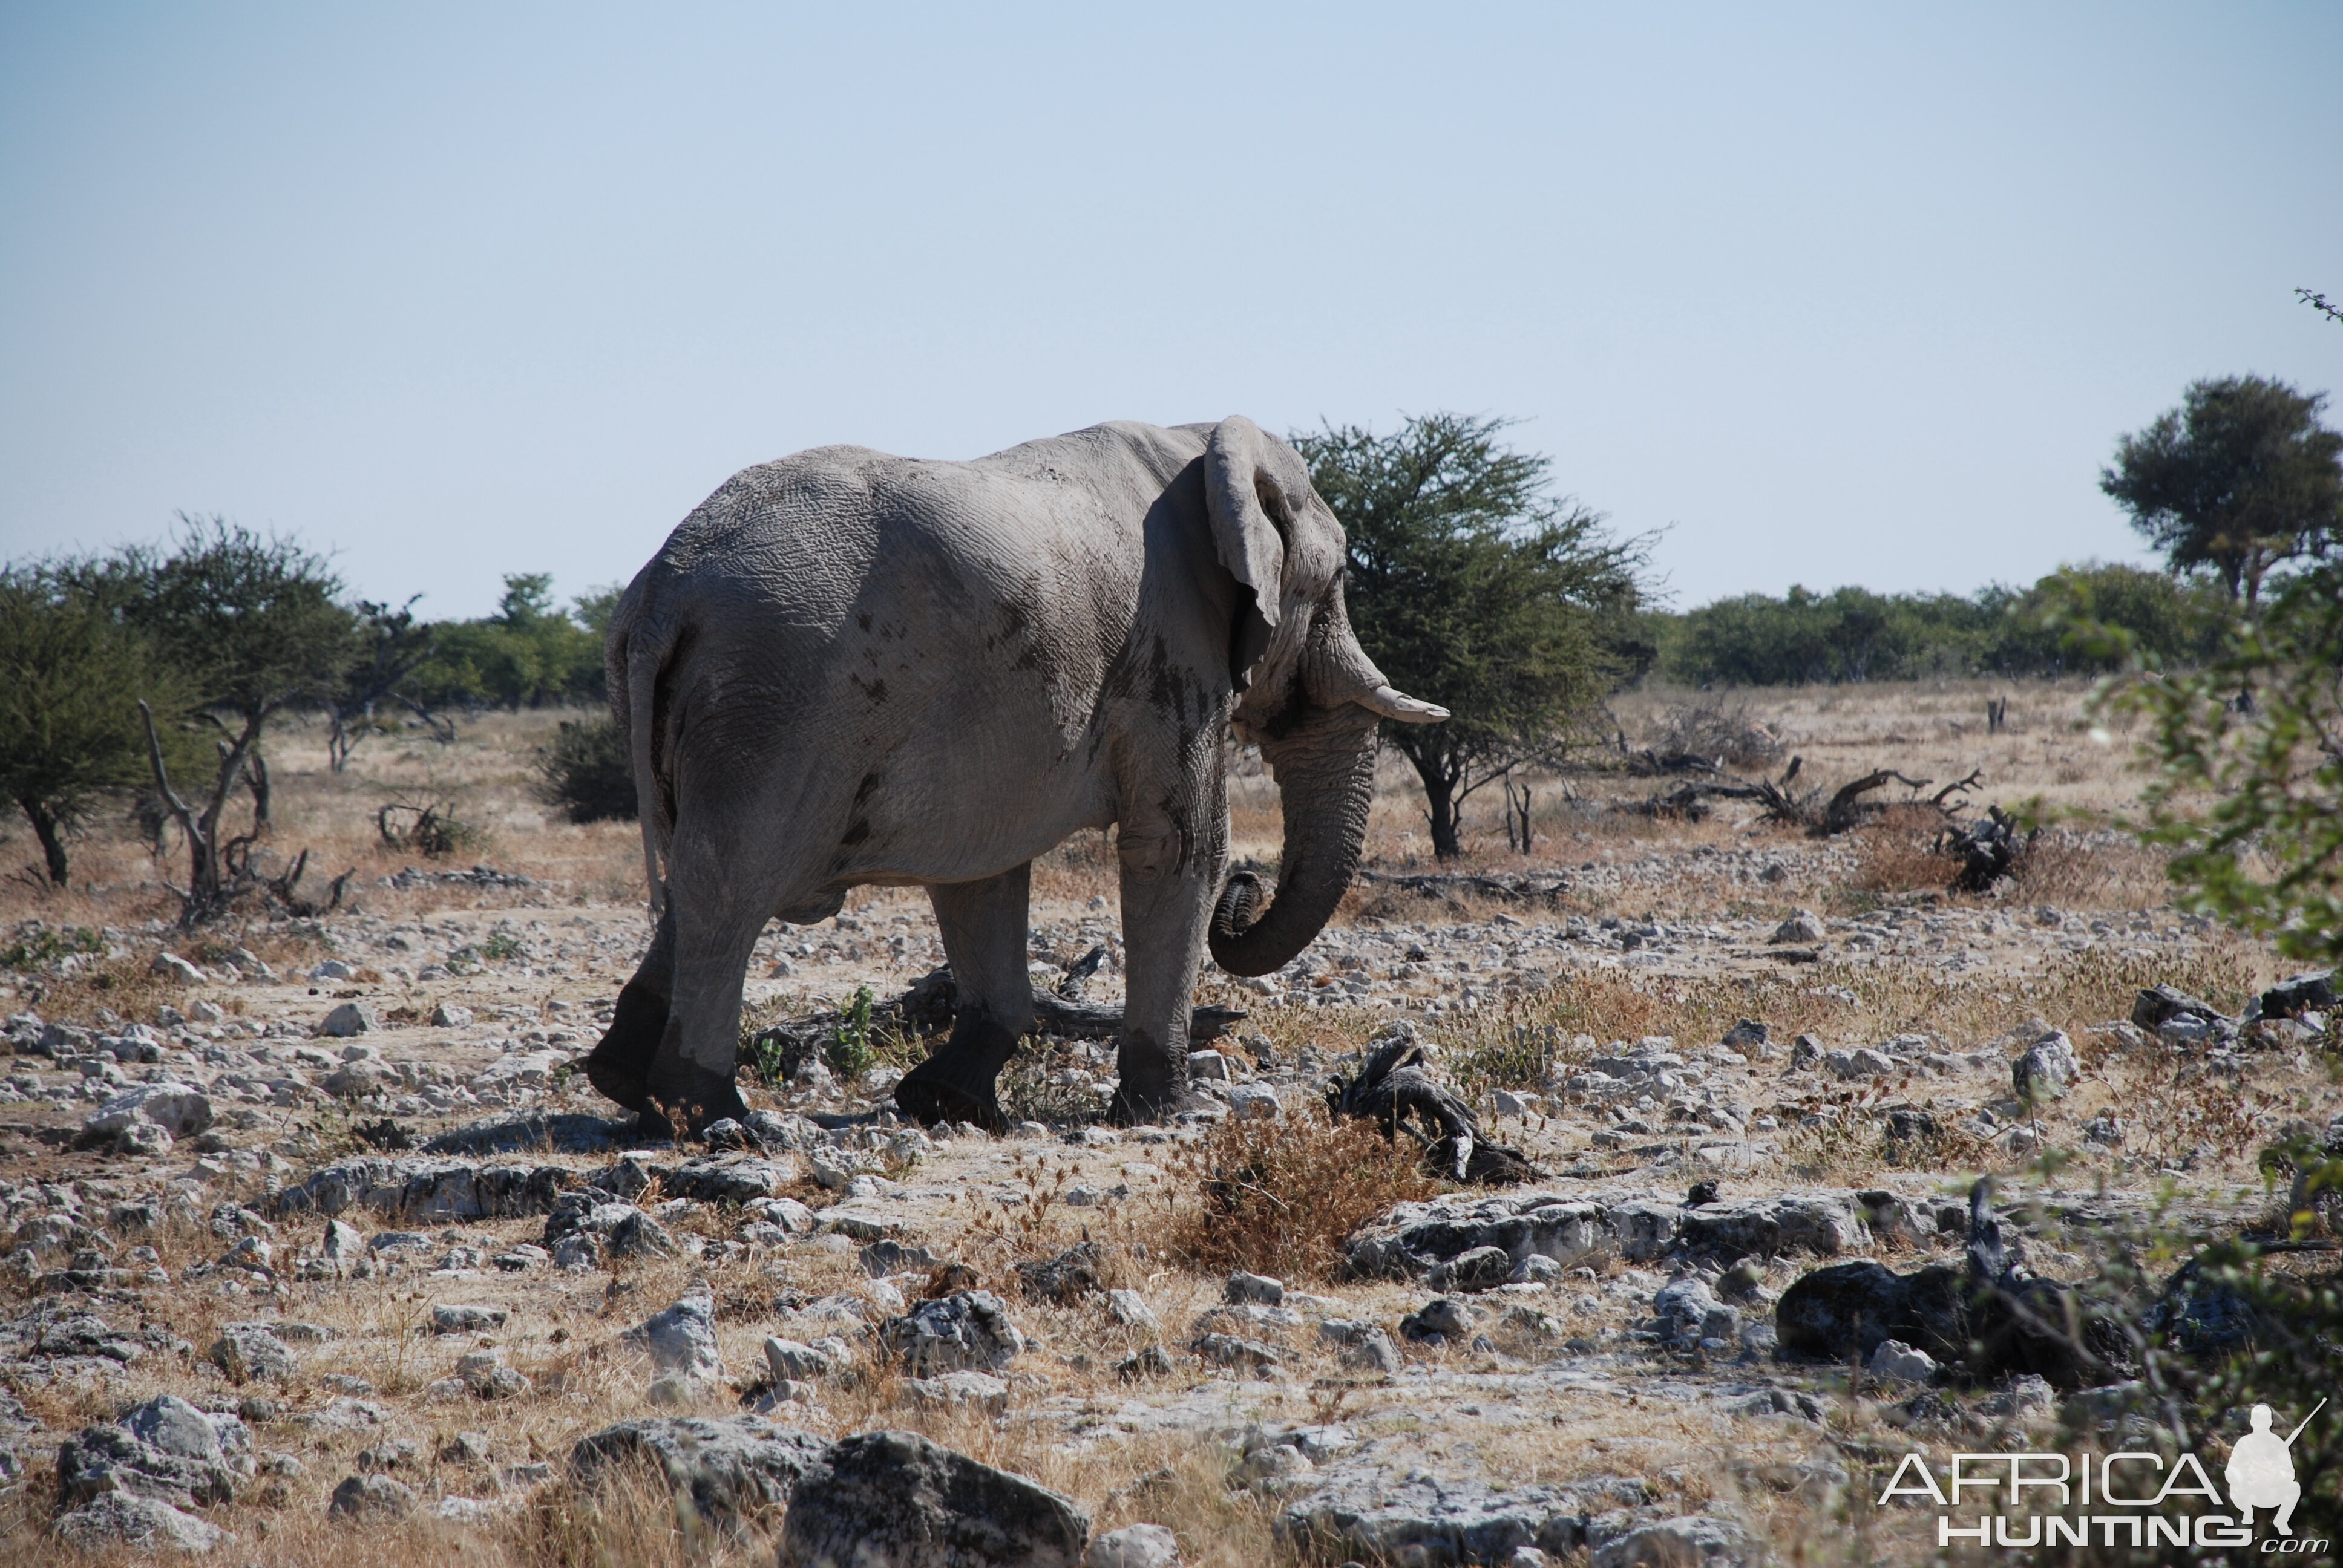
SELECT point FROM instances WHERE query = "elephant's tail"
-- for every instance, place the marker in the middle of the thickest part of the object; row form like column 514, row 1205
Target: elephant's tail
column 637, row 658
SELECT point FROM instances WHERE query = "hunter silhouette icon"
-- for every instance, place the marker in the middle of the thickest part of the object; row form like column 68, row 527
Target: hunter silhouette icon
column 2260, row 1472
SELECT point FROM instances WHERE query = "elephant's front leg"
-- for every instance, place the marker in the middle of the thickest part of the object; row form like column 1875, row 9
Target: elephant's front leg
column 983, row 928
column 1171, row 871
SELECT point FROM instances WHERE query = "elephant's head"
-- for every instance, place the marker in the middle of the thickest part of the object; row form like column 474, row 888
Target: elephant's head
column 1309, row 693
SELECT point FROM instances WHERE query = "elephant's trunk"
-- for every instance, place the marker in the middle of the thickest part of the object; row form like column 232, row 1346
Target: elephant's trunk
column 1325, row 769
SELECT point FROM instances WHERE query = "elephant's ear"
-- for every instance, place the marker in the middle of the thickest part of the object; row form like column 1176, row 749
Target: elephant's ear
column 1253, row 510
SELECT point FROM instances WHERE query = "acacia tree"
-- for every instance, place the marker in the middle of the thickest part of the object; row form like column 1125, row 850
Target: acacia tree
column 71, row 676
column 390, row 646
column 2239, row 479
column 255, row 625
column 1469, row 580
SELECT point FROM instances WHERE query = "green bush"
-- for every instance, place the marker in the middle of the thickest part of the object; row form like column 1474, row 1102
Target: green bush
column 587, row 773
column 2247, row 788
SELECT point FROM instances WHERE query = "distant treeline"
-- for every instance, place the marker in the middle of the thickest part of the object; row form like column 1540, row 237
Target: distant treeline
column 527, row 655
column 1852, row 634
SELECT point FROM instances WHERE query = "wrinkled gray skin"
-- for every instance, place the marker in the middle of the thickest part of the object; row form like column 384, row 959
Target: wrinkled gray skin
column 846, row 668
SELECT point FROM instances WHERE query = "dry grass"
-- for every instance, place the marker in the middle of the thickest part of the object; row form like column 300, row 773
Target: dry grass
column 487, row 776
column 1842, row 1003
column 1891, row 860
column 1279, row 1197
column 1844, row 1144
column 2100, row 871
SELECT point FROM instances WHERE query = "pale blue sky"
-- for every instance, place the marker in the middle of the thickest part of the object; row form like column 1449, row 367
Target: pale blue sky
column 1836, row 293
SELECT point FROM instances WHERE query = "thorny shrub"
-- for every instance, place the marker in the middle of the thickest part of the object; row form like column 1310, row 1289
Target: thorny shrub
column 2186, row 1113
column 1279, row 1196
column 1023, row 1230
column 427, row 827
column 1721, row 731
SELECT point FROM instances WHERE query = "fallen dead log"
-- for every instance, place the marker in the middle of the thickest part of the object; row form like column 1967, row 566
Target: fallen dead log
column 1098, row 1020
column 1649, row 762
column 1988, row 850
column 1395, row 1090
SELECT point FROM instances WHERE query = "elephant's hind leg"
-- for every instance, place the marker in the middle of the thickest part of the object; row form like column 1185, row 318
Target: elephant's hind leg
column 620, row 1065
column 983, row 929
column 718, row 907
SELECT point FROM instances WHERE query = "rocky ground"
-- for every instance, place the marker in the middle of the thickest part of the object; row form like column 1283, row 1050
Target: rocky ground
column 317, row 1250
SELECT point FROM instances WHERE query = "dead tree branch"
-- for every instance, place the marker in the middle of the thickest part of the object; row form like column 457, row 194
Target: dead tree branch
column 1395, row 1090
column 1779, row 801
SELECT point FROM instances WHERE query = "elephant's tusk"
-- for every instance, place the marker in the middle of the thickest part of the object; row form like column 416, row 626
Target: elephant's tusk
column 1398, row 705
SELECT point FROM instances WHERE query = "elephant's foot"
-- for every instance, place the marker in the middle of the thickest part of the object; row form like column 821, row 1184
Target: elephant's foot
column 617, row 1079
column 689, row 1098
column 1153, row 1088
column 1143, row 1110
column 930, row 1102
column 619, row 1067
column 956, row 1084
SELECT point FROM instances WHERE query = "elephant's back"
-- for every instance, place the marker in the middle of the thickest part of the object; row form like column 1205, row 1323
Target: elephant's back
column 808, row 539
column 882, row 592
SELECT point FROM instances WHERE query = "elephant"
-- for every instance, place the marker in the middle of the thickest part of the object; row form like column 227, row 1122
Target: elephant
column 849, row 668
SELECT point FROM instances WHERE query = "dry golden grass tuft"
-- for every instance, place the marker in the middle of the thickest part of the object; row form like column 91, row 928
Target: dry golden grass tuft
column 1848, row 1148
column 128, row 986
column 1278, row 1197
column 2068, row 869
column 1895, row 860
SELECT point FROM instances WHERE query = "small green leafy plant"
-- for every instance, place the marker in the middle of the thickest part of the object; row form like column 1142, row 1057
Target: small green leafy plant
column 773, row 1063
column 851, row 1050
column 44, row 945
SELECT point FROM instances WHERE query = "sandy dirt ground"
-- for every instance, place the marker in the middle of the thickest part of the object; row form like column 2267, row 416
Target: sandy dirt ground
column 391, row 1131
